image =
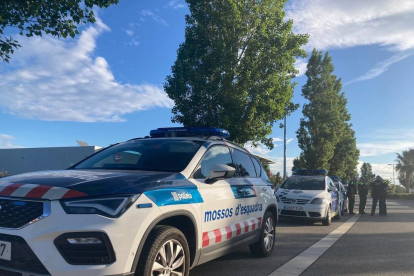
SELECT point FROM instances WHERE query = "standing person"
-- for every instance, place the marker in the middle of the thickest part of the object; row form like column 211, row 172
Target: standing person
column 383, row 198
column 377, row 191
column 350, row 193
column 363, row 193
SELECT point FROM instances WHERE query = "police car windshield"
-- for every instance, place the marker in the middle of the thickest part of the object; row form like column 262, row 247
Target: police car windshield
column 305, row 183
column 166, row 155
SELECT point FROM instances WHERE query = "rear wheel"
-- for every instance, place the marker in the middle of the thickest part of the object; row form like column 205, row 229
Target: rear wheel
column 265, row 245
column 165, row 252
column 328, row 219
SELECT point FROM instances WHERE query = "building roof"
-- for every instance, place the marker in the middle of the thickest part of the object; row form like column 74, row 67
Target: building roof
column 265, row 160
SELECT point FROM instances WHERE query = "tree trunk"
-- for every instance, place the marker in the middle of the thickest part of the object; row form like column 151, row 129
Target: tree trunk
column 407, row 184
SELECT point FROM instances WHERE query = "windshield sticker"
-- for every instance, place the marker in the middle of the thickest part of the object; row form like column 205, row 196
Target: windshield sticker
column 117, row 157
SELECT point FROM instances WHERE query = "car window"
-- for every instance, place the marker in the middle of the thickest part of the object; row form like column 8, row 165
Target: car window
column 217, row 155
column 304, row 183
column 147, row 155
column 244, row 164
column 258, row 167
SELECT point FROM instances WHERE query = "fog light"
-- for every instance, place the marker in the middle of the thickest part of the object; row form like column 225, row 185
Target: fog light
column 84, row 241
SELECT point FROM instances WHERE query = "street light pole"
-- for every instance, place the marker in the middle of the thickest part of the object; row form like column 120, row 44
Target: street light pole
column 393, row 172
column 284, row 149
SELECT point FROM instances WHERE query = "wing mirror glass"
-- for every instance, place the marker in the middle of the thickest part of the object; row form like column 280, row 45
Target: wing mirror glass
column 219, row 172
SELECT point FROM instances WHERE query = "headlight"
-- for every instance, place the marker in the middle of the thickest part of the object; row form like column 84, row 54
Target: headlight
column 111, row 207
column 318, row 201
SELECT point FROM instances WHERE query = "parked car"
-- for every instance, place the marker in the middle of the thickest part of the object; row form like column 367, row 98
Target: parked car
column 149, row 206
column 342, row 193
column 311, row 195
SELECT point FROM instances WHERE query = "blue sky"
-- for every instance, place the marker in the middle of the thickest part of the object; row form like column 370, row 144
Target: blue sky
column 106, row 85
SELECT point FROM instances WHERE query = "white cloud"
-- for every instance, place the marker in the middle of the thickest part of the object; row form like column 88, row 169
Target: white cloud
column 62, row 80
column 381, row 67
column 278, row 166
column 7, row 142
column 263, row 150
column 300, row 65
column 174, row 4
column 386, row 142
column 134, row 42
column 155, row 17
column 344, row 24
column 129, row 32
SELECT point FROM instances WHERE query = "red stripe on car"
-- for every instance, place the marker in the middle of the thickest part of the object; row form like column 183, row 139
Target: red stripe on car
column 10, row 189
column 38, row 192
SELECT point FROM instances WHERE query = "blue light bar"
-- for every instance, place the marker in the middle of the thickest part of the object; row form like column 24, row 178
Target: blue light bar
column 189, row 132
column 310, row 172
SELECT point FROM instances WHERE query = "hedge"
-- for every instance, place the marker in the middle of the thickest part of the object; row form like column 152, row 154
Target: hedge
column 402, row 196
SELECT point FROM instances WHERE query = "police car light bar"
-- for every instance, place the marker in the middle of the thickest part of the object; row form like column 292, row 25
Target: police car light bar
column 310, row 172
column 189, row 132
column 335, row 178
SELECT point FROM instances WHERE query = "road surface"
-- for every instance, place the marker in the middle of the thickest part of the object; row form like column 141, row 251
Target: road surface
column 370, row 246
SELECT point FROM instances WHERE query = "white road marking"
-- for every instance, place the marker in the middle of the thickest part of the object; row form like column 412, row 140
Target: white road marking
column 300, row 263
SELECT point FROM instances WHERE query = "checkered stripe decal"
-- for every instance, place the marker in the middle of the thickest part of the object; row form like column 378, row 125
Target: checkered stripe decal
column 37, row 191
column 228, row 232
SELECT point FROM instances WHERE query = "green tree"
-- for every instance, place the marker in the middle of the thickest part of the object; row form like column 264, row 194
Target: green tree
column 405, row 167
column 276, row 179
column 367, row 175
column 403, row 180
column 325, row 135
column 35, row 17
column 235, row 67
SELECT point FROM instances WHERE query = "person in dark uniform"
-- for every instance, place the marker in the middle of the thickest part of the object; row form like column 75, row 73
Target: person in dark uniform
column 377, row 191
column 383, row 199
column 350, row 193
column 363, row 193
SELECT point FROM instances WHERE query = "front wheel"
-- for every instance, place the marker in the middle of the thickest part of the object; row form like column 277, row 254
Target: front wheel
column 328, row 219
column 165, row 252
column 265, row 245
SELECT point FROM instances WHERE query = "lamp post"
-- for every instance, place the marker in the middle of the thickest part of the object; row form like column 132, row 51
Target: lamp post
column 393, row 171
column 284, row 150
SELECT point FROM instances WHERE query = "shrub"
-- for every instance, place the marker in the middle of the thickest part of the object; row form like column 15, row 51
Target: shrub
column 3, row 174
column 402, row 196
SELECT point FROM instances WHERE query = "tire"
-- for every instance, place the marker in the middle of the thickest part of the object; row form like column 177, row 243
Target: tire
column 327, row 220
column 338, row 216
column 265, row 245
column 164, row 238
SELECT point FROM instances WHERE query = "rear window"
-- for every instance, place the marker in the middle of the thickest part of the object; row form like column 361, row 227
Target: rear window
column 304, row 183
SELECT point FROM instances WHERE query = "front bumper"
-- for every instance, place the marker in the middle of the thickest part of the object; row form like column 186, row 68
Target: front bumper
column 124, row 233
column 308, row 211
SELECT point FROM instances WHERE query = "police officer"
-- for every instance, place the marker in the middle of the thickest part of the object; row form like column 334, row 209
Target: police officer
column 383, row 198
column 350, row 193
column 363, row 193
column 377, row 191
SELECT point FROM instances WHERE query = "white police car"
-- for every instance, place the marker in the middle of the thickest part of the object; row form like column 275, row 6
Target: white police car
column 310, row 195
column 149, row 206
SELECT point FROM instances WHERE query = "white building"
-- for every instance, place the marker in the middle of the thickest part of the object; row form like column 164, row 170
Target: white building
column 22, row 160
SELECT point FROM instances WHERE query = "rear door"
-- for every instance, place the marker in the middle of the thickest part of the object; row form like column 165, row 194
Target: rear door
column 251, row 191
column 220, row 222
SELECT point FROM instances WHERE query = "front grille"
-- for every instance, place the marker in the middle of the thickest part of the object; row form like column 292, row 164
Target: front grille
column 296, row 201
column 86, row 254
column 22, row 257
column 17, row 213
column 293, row 213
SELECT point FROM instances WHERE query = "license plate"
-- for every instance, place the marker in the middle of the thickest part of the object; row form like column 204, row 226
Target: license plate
column 5, row 250
column 293, row 208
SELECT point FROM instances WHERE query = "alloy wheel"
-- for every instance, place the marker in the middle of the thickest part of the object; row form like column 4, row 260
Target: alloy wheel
column 170, row 260
column 269, row 234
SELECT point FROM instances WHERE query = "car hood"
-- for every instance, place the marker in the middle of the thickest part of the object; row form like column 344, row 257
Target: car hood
column 300, row 194
column 80, row 183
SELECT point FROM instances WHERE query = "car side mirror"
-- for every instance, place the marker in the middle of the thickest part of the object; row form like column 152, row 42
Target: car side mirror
column 219, row 172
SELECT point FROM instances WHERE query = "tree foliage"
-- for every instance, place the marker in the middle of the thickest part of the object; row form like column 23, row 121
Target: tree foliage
column 276, row 179
column 325, row 135
column 35, row 17
column 405, row 167
column 235, row 67
column 367, row 176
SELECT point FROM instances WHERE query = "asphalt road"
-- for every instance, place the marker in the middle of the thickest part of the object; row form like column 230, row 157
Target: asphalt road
column 373, row 246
